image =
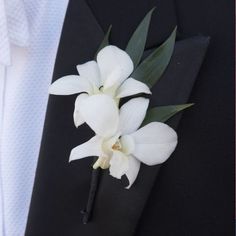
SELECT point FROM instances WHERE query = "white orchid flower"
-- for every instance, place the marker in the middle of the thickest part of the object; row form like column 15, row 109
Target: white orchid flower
column 108, row 75
column 119, row 143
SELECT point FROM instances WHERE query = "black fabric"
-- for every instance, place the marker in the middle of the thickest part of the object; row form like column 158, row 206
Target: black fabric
column 193, row 193
column 124, row 16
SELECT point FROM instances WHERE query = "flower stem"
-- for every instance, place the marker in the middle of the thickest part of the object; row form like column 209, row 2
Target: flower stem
column 87, row 214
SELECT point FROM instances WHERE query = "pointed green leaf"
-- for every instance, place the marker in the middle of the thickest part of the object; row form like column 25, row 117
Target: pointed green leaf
column 137, row 42
column 152, row 68
column 105, row 41
column 163, row 113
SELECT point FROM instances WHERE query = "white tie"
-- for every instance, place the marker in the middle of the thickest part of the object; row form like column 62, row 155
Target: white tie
column 14, row 28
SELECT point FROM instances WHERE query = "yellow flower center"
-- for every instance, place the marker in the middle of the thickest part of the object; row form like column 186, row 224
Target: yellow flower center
column 117, row 146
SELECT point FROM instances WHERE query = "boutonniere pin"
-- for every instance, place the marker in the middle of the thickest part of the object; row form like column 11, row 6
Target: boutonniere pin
column 126, row 135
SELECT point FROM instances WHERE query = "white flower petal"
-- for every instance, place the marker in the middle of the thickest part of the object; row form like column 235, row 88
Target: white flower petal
column 119, row 164
column 154, row 143
column 113, row 80
column 132, row 115
column 78, row 119
column 132, row 172
column 127, row 144
column 90, row 71
column 70, row 84
column 101, row 113
column 89, row 148
column 131, row 87
column 115, row 65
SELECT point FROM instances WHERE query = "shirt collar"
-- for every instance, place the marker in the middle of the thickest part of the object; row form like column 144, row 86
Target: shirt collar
column 14, row 28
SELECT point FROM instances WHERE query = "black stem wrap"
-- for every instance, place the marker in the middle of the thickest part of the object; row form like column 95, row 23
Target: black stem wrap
column 87, row 213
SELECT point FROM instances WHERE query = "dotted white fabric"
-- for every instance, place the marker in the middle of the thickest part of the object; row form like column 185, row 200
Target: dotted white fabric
column 24, row 95
column 14, row 28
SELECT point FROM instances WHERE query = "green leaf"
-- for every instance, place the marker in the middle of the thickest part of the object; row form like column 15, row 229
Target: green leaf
column 137, row 42
column 152, row 68
column 105, row 41
column 163, row 113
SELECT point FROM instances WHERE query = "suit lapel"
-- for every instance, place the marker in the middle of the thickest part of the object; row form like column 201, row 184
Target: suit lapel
column 61, row 189
column 118, row 210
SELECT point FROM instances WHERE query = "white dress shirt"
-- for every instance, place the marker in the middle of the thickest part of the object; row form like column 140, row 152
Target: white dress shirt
column 29, row 36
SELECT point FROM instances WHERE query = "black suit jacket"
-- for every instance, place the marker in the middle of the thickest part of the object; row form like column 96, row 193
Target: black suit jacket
column 192, row 193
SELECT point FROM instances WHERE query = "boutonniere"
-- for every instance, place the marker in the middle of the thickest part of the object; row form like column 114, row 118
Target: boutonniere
column 129, row 134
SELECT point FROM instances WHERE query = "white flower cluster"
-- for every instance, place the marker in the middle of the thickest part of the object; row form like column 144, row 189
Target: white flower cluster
column 119, row 142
